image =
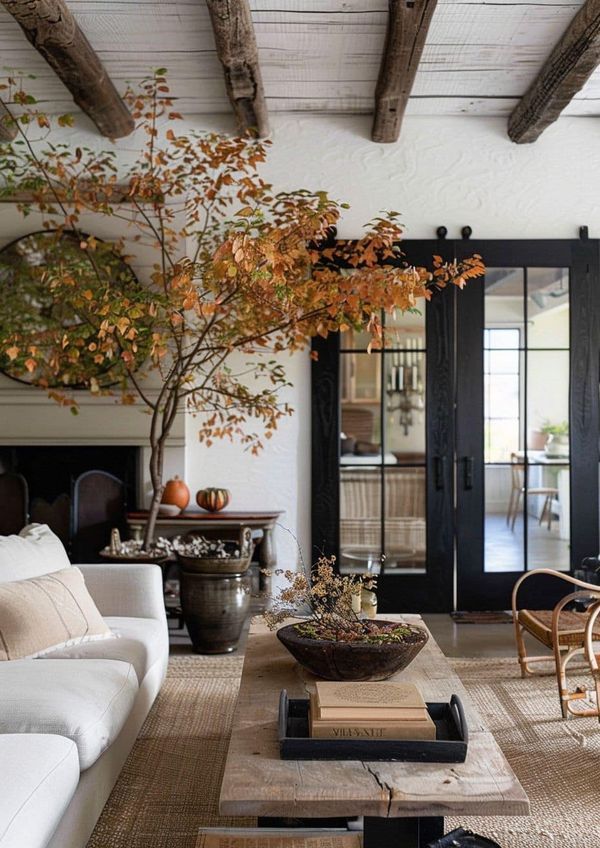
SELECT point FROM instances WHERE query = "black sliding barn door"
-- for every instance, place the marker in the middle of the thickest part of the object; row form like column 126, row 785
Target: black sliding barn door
column 444, row 481
column 383, row 495
column 527, row 361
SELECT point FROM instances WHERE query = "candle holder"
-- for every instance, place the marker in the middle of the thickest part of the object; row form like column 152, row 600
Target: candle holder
column 405, row 387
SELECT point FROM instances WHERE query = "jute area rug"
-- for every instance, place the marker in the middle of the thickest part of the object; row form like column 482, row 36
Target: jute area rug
column 170, row 784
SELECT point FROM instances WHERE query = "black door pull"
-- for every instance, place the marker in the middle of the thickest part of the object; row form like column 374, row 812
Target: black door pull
column 439, row 472
column 468, row 463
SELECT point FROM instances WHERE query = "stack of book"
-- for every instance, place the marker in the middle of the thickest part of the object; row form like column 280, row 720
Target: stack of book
column 385, row 710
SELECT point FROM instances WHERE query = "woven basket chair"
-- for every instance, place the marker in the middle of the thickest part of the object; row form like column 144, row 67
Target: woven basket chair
column 566, row 633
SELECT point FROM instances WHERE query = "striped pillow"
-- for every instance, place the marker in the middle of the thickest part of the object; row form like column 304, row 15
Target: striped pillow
column 48, row 612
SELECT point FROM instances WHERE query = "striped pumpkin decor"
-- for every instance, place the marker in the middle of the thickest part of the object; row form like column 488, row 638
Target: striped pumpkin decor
column 213, row 499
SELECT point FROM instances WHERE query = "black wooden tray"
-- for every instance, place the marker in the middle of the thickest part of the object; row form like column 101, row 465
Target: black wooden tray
column 449, row 747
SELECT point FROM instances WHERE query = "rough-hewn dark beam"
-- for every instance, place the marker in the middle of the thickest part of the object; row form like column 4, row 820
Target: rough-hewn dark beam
column 8, row 130
column 564, row 73
column 238, row 53
column 54, row 32
column 408, row 24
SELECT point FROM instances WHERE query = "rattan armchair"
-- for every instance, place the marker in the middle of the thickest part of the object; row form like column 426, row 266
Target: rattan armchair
column 566, row 633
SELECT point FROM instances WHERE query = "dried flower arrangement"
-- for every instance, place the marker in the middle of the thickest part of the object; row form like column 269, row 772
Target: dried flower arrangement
column 323, row 598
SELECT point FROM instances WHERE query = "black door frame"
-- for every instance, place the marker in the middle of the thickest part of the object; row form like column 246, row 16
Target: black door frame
column 453, row 435
column 432, row 591
column 476, row 589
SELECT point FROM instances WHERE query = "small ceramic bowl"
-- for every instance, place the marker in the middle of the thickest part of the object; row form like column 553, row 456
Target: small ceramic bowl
column 169, row 510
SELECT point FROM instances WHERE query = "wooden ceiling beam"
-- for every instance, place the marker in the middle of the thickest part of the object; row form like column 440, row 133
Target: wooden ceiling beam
column 237, row 51
column 567, row 69
column 50, row 26
column 407, row 28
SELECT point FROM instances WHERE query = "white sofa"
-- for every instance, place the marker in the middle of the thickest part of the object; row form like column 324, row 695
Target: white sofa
column 69, row 719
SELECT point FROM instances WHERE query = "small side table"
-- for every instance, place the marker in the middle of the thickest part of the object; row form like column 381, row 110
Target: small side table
column 195, row 521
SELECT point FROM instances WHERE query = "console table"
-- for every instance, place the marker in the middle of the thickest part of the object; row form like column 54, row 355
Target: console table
column 403, row 804
column 196, row 521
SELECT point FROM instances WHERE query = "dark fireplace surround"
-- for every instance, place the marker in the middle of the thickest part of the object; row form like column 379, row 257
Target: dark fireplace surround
column 52, row 472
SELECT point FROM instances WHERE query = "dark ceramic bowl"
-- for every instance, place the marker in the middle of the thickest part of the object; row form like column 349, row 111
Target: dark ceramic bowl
column 214, row 565
column 352, row 660
column 159, row 559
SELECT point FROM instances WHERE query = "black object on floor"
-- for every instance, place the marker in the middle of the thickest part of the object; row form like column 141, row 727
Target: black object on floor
column 462, row 838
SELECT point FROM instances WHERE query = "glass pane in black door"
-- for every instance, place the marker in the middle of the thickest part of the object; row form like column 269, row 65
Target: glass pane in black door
column 361, row 493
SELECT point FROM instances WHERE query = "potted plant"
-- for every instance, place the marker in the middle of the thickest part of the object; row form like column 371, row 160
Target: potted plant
column 332, row 640
column 215, row 589
column 557, row 442
column 238, row 277
column 214, row 556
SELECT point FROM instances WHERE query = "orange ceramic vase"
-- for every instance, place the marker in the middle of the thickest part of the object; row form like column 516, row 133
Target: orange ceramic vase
column 213, row 500
column 176, row 493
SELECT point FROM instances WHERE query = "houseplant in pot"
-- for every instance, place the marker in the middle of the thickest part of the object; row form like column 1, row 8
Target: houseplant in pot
column 557, row 443
column 332, row 640
column 238, row 276
column 215, row 589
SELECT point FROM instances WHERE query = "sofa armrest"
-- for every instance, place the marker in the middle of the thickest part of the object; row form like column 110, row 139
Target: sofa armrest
column 131, row 589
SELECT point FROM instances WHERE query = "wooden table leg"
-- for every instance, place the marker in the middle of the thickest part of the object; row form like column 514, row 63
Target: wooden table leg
column 401, row 832
column 267, row 558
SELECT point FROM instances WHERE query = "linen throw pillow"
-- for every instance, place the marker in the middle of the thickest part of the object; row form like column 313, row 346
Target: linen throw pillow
column 35, row 551
column 48, row 612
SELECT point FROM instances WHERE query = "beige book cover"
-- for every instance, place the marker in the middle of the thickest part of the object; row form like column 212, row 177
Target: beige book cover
column 268, row 838
column 384, row 699
column 422, row 728
column 417, row 730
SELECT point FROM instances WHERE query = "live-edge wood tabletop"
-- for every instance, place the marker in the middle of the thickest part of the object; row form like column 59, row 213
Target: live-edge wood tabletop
column 257, row 782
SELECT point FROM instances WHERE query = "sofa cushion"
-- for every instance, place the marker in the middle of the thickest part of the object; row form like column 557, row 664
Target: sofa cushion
column 87, row 701
column 46, row 612
column 140, row 641
column 38, row 774
column 36, row 550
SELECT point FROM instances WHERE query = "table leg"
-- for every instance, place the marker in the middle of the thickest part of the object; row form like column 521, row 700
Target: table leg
column 378, row 832
column 267, row 558
column 401, row 832
column 136, row 531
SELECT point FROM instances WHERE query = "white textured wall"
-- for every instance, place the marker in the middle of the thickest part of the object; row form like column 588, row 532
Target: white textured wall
column 451, row 171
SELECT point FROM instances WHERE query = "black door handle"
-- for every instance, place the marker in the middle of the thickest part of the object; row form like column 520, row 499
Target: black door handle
column 439, row 472
column 468, row 463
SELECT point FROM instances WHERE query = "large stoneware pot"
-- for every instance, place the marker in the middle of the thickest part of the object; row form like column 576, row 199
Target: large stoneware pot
column 215, row 607
column 353, row 660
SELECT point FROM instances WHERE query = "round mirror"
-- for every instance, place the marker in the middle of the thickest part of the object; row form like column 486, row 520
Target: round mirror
column 37, row 313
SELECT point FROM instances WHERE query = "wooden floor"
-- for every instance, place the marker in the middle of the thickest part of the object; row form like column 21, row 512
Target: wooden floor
column 504, row 547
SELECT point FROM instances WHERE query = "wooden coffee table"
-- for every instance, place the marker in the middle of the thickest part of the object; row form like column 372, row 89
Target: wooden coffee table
column 403, row 804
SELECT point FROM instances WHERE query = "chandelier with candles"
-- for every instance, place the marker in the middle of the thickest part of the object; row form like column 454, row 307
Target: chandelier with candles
column 405, row 386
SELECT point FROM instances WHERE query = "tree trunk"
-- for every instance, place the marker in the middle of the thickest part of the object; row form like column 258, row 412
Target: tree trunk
column 156, row 476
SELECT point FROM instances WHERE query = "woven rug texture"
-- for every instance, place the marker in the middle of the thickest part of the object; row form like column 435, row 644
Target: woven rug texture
column 170, row 784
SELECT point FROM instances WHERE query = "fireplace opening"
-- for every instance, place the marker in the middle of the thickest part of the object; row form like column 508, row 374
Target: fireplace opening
column 81, row 492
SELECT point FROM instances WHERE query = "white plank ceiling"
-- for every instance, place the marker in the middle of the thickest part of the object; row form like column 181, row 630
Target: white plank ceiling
column 318, row 55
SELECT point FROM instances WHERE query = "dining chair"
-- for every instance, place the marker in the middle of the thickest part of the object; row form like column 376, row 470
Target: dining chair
column 566, row 633
column 518, row 488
